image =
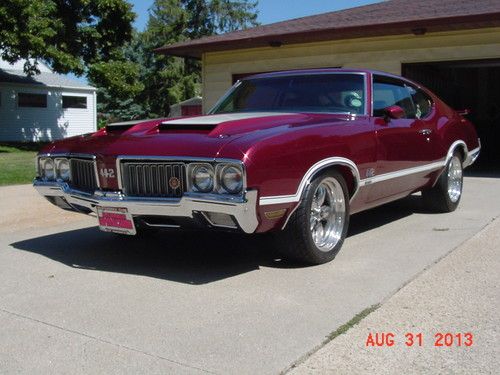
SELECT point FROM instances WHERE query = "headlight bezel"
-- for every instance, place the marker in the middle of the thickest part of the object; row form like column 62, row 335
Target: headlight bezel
column 42, row 170
column 194, row 186
column 57, row 163
column 218, row 167
column 222, row 169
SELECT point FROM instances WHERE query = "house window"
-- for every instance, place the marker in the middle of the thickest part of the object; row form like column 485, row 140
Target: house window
column 74, row 101
column 31, row 100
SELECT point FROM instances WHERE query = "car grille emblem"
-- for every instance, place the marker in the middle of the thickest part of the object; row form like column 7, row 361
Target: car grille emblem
column 174, row 182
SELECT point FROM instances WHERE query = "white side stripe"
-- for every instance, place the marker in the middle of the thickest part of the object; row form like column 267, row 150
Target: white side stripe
column 306, row 179
column 264, row 201
column 402, row 173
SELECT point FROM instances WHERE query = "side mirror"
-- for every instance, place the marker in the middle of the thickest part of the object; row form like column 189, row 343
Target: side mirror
column 394, row 112
column 463, row 112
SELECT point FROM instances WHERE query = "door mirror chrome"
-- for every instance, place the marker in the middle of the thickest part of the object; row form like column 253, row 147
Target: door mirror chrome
column 394, row 112
column 463, row 112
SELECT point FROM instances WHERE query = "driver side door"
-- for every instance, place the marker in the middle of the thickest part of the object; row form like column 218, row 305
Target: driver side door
column 404, row 145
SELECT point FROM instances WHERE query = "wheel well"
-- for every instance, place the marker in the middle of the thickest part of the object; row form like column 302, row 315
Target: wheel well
column 461, row 151
column 346, row 172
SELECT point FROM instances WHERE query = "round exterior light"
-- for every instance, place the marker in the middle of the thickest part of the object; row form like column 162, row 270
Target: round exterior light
column 63, row 169
column 203, row 178
column 231, row 179
column 47, row 168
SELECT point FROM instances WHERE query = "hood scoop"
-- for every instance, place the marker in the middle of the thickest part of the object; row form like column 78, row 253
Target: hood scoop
column 124, row 125
column 210, row 122
column 172, row 125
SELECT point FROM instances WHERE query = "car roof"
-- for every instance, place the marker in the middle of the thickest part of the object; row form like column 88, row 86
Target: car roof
column 292, row 72
column 299, row 72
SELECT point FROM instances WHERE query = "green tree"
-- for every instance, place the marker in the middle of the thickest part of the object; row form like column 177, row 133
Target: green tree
column 169, row 80
column 67, row 34
column 79, row 36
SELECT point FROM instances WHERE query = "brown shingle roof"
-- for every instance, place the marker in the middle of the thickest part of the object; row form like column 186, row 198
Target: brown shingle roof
column 384, row 18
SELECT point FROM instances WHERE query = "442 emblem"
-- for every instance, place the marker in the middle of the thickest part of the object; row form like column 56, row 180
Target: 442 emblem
column 107, row 172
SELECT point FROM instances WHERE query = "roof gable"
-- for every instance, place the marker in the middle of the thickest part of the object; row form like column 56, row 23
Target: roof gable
column 383, row 18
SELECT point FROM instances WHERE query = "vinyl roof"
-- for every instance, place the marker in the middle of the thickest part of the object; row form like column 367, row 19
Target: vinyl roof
column 384, row 18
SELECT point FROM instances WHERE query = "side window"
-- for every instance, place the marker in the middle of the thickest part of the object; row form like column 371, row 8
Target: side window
column 74, row 101
column 423, row 103
column 387, row 92
column 31, row 100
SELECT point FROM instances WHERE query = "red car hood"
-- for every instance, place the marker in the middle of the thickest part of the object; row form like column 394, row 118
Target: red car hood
column 200, row 136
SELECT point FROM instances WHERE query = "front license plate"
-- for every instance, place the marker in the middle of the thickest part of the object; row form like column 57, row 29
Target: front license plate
column 117, row 220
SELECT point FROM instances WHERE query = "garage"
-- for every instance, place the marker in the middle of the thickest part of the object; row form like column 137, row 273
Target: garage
column 472, row 86
column 450, row 46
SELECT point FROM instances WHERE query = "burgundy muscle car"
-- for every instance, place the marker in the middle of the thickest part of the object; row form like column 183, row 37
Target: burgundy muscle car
column 295, row 153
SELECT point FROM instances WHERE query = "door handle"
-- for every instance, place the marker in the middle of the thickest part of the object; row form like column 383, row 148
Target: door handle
column 425, row 131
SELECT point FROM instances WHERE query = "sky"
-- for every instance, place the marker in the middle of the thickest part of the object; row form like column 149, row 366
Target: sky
column 270, row 10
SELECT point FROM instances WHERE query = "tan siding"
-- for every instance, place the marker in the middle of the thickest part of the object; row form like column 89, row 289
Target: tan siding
column 384, row 53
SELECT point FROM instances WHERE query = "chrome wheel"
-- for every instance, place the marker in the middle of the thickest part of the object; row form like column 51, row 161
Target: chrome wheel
column 327, row 216
column 455, row 179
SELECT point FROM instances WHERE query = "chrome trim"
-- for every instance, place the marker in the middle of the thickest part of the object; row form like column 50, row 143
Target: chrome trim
column 291, row 74
column 327, row 214
column 161, row 225
column 306, row 180
column 144, row 173
column 56, row 162
column 71, row 155
column 320, row 165
column 242, row 208
column 453, row 147
column 186, row 160
column 217, row 225
column 218, row 176
column 190, row 167
column 404, row 81
column 472, row 155
column 403, row 172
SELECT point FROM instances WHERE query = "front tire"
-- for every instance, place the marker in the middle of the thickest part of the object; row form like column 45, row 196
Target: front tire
column 317, row 229
column 445, row 195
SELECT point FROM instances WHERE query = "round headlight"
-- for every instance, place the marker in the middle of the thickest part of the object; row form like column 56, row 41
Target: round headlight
column 203, row 178
column 47, row 168
column 62, row 168
column 231, row 179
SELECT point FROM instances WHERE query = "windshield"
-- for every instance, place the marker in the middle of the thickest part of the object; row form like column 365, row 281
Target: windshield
column 332, row 93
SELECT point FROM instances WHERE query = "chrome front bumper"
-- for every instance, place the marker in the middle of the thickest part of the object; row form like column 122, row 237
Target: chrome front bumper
column 243, row 210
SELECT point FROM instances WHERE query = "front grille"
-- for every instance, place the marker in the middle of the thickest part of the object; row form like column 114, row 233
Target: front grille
column 83, row 175
column 154, row 179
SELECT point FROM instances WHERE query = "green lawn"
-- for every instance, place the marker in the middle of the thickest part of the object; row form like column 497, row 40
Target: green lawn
column 17, row 162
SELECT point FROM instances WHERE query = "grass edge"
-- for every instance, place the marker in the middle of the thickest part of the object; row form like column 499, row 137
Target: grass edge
column 354, row 321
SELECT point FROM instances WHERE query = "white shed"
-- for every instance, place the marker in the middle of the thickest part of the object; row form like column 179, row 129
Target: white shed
column 43, row 107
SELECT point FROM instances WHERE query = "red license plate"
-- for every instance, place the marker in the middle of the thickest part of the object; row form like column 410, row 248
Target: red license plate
column 117, row 220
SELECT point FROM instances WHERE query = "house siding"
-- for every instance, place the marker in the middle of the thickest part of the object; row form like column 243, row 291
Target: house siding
column 381, row 53
column 44, row 124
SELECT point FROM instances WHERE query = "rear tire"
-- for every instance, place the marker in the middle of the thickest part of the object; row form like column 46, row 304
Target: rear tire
column 317, row 229
column 445, row 195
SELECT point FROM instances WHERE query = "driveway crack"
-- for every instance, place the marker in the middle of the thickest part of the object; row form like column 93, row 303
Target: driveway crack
column 105, row 341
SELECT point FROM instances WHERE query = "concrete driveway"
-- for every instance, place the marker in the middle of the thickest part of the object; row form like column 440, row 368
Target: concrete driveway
column 73, row 299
